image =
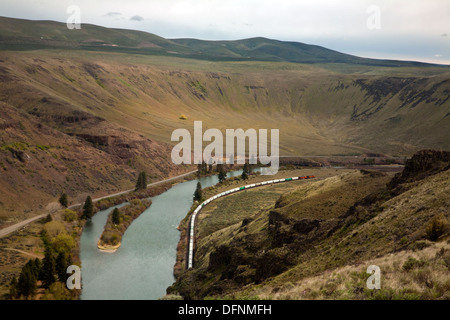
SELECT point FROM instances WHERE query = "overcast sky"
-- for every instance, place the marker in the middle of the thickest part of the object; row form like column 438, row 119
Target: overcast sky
column 396, row 29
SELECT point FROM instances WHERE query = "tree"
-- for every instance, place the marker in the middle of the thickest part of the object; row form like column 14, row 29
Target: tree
column 141, row 182
column 198, row 192
column 63, row 200
column 222, row 174
column 63, row 260
column 27, row 282
column 116, row 216
column 88, row 208
column 48, row 269
column 245, row 171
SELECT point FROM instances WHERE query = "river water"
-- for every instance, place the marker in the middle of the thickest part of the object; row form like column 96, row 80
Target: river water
column 142, row 268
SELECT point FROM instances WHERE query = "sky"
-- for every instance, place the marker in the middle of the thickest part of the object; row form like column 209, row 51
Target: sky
column 386, row 29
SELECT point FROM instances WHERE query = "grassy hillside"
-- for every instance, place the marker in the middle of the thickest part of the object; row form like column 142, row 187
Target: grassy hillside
column 318, row 240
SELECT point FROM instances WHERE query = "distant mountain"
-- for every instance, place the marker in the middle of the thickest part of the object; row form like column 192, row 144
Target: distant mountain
column 20, row 34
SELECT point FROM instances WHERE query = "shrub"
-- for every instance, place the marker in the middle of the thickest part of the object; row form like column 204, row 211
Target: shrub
column 54, row 228
column 70, row 215
column 63, row 242
column 412, row 263
column 436, row 228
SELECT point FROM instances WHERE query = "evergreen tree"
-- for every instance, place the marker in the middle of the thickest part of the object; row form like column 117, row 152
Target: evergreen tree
column 198, row 192
column 48, row 269
column 63, row 200
column 141, row 182
column 245, row 171
column 222, row 174
column 63, row 260
column 116, row 216
column 34, row 266
column 88, row 208
column 204, row 167
column 38, row 267
column 26, row 285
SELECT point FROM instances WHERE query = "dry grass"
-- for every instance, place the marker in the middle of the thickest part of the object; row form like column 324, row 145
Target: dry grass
column 429, row 279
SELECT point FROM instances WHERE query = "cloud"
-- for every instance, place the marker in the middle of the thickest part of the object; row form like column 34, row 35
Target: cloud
column 136, row 18
column 113, row 14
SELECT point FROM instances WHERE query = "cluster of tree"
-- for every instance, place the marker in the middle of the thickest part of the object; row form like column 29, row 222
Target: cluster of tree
column 27, row 284
column 203, row 168
column 141, row 183
column 51, row 269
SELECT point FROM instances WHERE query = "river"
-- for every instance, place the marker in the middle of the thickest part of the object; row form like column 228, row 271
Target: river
column 142, row 268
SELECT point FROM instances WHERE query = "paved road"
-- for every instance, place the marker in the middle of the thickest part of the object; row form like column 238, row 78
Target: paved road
column 6, row 231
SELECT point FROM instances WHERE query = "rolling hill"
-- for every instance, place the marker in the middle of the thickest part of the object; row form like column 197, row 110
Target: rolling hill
column 22, row 34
